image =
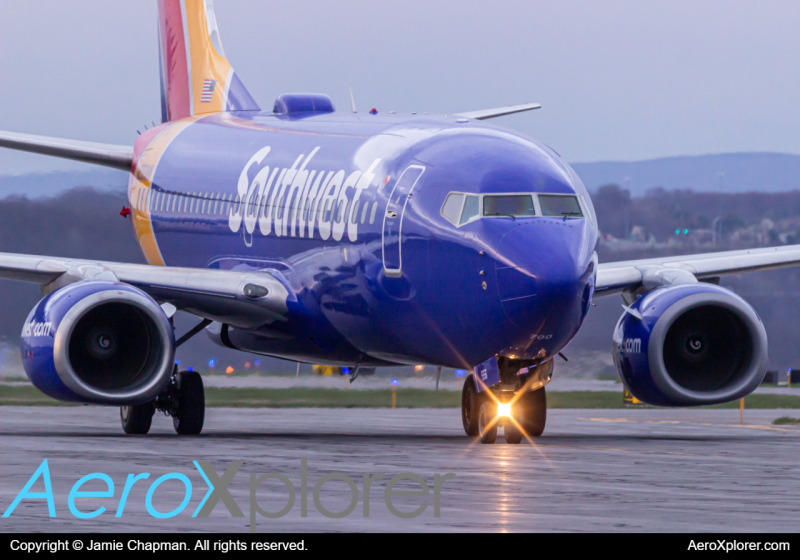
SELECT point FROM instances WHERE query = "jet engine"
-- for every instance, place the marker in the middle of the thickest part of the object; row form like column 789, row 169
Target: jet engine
column 98, row 342
column 689, row 345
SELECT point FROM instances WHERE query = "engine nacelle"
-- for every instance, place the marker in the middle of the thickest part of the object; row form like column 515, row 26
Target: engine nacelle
column 689, row 345
column 98, row 342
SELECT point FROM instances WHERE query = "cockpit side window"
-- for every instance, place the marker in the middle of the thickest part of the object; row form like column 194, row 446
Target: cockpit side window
column 451, row 209
column 560, row 205
column 471, row 209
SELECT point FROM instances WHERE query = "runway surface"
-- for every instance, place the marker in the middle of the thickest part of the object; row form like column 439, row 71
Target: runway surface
column 616, row 470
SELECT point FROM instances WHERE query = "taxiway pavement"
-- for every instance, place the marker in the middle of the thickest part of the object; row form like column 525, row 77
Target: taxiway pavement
column 593, row 470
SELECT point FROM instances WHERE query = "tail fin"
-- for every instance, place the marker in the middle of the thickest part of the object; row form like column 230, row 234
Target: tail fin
column 196, row 77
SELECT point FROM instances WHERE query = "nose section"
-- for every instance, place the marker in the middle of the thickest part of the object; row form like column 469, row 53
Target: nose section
column 541, row 279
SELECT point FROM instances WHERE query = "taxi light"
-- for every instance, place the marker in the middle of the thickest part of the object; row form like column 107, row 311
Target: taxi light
column 504, row 409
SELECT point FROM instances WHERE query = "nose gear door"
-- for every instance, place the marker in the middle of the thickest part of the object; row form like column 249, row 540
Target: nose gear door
column 393, row 220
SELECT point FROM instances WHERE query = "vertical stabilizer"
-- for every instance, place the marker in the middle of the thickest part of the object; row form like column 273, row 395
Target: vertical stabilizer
column 196, row 78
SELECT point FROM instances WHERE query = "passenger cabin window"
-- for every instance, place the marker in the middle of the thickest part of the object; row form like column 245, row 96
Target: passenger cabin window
column 451, row 209
column 508, row 205
column 560, row 205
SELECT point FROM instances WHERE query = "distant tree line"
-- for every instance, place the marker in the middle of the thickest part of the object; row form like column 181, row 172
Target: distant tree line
column 660, row 212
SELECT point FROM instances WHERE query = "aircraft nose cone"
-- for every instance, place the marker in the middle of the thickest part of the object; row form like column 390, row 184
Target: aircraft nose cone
column 536, row 274
column 517, row 284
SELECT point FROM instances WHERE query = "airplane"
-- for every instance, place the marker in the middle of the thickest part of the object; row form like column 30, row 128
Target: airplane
column 367, row 240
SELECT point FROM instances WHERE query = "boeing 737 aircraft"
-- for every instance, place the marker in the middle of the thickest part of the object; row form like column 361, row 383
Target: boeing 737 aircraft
column 363, row 240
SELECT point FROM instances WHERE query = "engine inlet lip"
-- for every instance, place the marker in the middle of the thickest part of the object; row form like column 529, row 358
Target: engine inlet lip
column 747, row 382
column 140, row 394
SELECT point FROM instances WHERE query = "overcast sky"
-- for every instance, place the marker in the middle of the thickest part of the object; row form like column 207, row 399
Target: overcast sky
column 618, row 80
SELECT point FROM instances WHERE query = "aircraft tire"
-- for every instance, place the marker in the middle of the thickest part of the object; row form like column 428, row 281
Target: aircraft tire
column 136, row 420
column 486, row 423
column 191, row 409
column 533, row 413
column 511, row 433
column 470, row 406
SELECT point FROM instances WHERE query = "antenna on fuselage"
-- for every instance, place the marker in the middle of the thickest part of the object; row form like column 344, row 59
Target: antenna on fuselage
column 353, row 101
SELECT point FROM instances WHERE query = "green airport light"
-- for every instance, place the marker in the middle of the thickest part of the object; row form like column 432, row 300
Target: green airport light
column 686, row 232
column 677, row 232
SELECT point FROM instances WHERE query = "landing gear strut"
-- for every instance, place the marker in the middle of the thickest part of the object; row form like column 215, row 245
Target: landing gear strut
column 184, row 399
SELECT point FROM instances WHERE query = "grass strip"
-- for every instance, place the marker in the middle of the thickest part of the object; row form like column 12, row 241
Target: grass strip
column 786, row 420
column 303, row 397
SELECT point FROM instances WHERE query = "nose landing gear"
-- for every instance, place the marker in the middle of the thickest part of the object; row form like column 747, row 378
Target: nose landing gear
column 479, row 414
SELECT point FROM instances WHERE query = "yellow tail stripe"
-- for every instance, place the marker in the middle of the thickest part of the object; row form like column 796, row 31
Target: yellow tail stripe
column 208, row 65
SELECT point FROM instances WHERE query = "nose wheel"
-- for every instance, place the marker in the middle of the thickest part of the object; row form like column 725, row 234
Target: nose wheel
column 471, row 402
column 511, row 433
column 479, row 415
column 487, row 424
column 532, row 407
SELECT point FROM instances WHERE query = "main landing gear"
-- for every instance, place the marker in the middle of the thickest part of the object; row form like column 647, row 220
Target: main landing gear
column 184, row 399
column 520, row 415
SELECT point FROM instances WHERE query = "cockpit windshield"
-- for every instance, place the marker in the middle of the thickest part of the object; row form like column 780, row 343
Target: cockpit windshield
column 555, row 205
column 508, row 205
column 463, row 208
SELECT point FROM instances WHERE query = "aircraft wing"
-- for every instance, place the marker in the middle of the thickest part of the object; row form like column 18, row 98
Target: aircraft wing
column 628, row 276
column 499, row 112
column 110, row 155
column 244, row 299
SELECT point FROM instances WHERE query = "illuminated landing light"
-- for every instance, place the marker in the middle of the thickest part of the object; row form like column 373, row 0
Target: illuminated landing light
column 504, row 409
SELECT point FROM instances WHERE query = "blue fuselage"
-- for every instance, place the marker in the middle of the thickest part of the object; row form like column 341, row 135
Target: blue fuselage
column 347, row 211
